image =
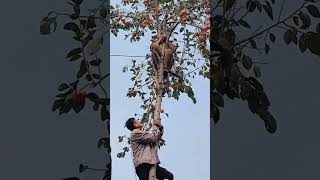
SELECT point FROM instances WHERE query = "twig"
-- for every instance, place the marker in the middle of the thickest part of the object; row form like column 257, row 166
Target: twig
column 270, row 27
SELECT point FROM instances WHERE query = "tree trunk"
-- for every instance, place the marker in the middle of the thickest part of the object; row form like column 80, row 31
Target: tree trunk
column 159, row 90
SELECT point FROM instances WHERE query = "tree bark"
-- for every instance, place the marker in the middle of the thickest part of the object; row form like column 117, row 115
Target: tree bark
column 159, row 89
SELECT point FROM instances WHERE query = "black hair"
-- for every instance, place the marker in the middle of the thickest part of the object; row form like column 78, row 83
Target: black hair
column 130, row 124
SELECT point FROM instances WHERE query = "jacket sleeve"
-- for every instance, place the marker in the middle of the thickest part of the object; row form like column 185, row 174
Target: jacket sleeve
column 143, row 137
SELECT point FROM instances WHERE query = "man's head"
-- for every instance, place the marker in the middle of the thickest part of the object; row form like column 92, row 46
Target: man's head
column 133, row 123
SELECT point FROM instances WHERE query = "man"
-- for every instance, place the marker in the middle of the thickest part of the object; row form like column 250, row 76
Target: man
column 143, row 145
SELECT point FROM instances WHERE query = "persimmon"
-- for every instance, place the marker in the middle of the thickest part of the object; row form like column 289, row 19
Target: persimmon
column 206, row 28
column 183, row 21
column 127, row 24
column 82, row 93
column 184, row 12
column 173, row 86
column 145, row 23
column 200, row 36
column 207, row 11
column 125, row 2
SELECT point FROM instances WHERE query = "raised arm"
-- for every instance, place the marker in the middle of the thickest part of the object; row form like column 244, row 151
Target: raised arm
column 143, row 137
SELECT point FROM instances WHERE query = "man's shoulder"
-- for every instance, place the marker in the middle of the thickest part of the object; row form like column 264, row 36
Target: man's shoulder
column 136, row 131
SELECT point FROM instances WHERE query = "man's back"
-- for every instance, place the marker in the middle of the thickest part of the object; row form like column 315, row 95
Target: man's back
column 144, row 146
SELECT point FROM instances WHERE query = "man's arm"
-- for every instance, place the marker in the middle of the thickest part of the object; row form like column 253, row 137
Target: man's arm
column 146, row 137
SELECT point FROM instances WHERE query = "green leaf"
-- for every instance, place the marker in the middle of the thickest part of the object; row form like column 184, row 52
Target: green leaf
column 66, row 106
column 93, row 97
column 63, row 87
column 103, row 12
column 215, row 114
column 95, row 62
column 218, row 99
column 259, row 7
column 251, row 5
column 318, row 28
column 57, row 104
column 96, row 106
column 244, row 23
column 74, row 84
column 119, row 155
column 246, row 62
column 125, row 149
column 73, row 52
column 257, row 71
column 296, row 20
column 272, row 37
column 45, row 28
column 105, row 142
column 104, row 113
column 253, row 43
column 313, row 10
column 270, row 121
column 288, row 36
column 96, row 76
column 82, row 168
column 181, row 29
column 120, row 138
column 71, row 178
column 83, row 69
column 234, row 73
column 76, row 10
column 268, row 9
column 77, row 1
column 228, row 4
column 303, row 43
column 75, row 57
column 266, row 48
column 313, row 42
column 71, row 26
column 305, row 18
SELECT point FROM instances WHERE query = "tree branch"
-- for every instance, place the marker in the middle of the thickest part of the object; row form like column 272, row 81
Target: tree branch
column 270, row 27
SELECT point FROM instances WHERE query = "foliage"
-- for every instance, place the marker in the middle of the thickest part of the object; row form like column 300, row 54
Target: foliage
column 235, row 73
column 88, row 31
column 187, row 23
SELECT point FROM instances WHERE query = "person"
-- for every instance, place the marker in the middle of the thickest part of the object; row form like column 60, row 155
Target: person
column 143, row 145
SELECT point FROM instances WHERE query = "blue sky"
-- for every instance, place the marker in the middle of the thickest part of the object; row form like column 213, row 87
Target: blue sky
column 187, row 129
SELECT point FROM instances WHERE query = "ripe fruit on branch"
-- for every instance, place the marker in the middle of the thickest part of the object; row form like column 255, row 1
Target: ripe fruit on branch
column 206, row 27
column 145, row 23
column 207, row 11
column 127, row 23
column 125, row 2
column 184, row 21
column 200, row 36
column 184, row 12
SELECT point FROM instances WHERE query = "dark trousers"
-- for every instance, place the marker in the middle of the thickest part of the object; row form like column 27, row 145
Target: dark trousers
column 161, row 173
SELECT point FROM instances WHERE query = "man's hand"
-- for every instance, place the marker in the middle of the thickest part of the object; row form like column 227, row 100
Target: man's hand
column 157, row 123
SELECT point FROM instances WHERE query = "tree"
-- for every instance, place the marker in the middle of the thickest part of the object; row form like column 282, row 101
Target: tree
column 158, row 17
column 88, row 31
column 230, row 66
column 234, row 73
column 190, row 19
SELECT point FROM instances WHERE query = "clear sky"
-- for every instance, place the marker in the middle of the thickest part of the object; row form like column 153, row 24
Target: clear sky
column 187, row 129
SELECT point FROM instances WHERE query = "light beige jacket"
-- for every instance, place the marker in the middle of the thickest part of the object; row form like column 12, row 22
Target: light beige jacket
column 143, row 145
